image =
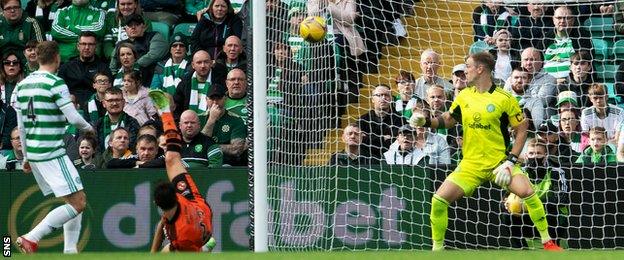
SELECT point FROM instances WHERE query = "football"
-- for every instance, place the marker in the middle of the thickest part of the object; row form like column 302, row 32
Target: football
column 313, row 29
column 514, row 204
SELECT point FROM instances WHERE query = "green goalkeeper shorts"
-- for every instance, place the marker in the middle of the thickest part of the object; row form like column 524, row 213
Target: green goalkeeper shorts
column 469, row 177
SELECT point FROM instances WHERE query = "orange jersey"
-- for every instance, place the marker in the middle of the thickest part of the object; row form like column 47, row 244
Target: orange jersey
column 191, row 226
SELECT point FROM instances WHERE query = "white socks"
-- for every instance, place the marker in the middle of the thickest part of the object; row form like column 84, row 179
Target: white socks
column 55, row 219
column 71, row 234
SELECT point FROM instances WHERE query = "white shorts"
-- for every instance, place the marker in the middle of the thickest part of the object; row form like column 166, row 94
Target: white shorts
column 58, row 175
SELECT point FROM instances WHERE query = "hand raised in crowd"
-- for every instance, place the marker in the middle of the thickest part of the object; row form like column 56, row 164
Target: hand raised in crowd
column 216, row 112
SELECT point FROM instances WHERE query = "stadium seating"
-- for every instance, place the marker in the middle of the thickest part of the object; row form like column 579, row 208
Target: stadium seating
column 479, row 46
column 162, row 28
column 184, row 28
column 618, row 50
column 606, row 72
column 600, row 26
column 602, row 49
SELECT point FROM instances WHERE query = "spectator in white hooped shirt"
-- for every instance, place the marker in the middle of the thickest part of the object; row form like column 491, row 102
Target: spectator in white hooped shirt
column 602, row 114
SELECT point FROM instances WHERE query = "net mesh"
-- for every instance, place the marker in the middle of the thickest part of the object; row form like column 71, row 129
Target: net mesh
column 322, row 197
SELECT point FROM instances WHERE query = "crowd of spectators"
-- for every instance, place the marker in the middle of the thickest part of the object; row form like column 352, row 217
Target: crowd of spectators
column 544, row 58
column 112, row 54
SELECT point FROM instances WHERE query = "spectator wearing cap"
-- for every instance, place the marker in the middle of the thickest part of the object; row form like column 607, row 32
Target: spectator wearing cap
column 78, row 73
column 193, row 88
column 71, row 21
column 168, row 75
column 232, row 57
column 459, row 79
column 17, row 29
column 150, row 47
column 115, row 23
column 236, row 100
column 216, row 24
column 602, row 114
column 581, row 77
column 429, row 65
column 352, row 137
column 557, row 150
column 566, row 100
column 226, row 128
column 414, row 146
column 599, row 150
column 198, row 150
column 405, row 100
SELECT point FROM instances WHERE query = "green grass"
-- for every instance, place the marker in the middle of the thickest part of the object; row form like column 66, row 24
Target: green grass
column 385, row 255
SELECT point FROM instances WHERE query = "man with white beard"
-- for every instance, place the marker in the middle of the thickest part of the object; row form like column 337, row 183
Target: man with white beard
column 71, row 21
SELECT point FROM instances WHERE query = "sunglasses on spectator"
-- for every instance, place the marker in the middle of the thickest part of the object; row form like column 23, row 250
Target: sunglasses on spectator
column 11, row 62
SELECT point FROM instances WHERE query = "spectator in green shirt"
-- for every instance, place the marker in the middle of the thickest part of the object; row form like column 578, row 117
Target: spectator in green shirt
column 226, row 128
column 598, row 151
column 236, row 99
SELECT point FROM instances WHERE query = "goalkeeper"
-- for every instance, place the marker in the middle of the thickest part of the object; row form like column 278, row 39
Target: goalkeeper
column 485, row 112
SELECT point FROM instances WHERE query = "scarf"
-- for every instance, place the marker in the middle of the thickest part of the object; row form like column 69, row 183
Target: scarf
column 92, row 108
column 197, row 101
column 118, row 82
column 172, row 75
column 500, row 21
column 108, row 127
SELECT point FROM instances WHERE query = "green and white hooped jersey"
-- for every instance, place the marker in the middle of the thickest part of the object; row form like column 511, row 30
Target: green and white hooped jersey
column 40, row 97
column 557, row 57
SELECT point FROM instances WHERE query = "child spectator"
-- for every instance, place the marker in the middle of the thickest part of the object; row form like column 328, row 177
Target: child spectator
column 601, row 114
column 86, row 150
column 598, row 151
column 138, row 104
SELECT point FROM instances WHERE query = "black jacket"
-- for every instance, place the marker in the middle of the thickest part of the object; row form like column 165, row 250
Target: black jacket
column 78, row 76
column 182, row 95
column 8, row 121
column 131, row 124
column 375, row 128
column 220, row 69
column 530, row 32
column 210, row 36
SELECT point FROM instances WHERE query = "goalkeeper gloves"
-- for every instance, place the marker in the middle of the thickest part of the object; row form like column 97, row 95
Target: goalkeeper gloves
column 503, row 171
column 417, row 120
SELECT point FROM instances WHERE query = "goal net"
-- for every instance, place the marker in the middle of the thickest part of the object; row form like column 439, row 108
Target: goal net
column 343, row 172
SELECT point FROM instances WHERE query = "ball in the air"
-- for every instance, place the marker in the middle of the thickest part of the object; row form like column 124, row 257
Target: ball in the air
column 313, row 29
column 514, row 205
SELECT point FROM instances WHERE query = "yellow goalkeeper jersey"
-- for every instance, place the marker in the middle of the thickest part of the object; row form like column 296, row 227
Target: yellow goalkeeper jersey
column 485, row 119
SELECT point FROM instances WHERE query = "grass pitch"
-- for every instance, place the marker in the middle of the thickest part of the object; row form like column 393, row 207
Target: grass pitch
column 385, row 255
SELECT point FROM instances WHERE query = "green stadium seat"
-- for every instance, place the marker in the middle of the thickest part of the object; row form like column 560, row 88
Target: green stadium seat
column 479, row 46
column 606, row 72
column 601, row 49
column 618, row 50
column 162, row 28
column 600, row 26
column 185, row 28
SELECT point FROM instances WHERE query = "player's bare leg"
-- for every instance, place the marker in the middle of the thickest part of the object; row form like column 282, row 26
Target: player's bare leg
column 69, row 214
column 446, row 194
column 521, row 186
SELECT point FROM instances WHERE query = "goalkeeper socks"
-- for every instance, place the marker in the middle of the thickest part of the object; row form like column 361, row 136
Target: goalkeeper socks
column 71, row 234
column 439, row 221
column 538, row 215
column 55, row 219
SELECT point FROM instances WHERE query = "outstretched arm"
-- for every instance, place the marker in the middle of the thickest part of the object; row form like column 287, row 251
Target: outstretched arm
column 158, row 237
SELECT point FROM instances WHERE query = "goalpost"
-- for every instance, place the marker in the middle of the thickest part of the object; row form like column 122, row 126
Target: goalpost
column 305, row 94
